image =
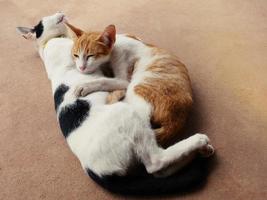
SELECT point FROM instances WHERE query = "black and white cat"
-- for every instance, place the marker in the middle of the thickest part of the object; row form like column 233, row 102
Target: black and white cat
column 109, row 139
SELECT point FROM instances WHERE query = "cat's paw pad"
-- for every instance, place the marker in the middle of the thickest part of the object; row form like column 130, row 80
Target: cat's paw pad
column 207, row 150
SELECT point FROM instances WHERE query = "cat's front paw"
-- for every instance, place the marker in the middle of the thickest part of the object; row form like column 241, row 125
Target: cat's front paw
column 82, row 91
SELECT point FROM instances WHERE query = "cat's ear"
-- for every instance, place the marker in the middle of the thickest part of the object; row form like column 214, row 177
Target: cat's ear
column 108, row 37
column 76, row 32
column 27, row 33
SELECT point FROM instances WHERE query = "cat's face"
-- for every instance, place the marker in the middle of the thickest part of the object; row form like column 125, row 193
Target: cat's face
column 89, row 53
column 91, row 50
column 48, row 27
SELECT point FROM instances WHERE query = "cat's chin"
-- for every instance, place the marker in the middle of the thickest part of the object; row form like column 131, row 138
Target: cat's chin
column 86, row 71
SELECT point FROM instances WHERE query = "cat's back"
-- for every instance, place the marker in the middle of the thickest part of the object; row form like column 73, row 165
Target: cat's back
column 154, row 60
column 130, row 42
column 142, row 51
column 163, row 81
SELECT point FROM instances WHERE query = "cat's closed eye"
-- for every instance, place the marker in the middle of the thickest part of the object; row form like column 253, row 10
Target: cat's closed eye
column 75, row 55
column 89, row 56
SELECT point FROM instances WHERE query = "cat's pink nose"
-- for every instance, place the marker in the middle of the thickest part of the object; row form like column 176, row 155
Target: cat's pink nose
column 82, row 68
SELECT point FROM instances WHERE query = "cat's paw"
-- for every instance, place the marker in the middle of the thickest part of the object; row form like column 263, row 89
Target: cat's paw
column 203, row 145
column 82, row 91
column 207, row 150
column 115, row 96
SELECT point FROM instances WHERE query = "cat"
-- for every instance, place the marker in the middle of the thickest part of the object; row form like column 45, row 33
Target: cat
column 109, row 140
column 158, row 84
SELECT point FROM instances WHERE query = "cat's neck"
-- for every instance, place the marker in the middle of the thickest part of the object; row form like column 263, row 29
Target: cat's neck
column 56, row 56
column 125, row 53
column 42, row 43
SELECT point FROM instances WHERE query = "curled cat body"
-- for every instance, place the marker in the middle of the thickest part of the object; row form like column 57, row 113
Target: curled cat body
column 158, row 84
column 110, row 140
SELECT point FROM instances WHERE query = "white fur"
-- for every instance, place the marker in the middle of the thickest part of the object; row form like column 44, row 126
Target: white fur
column 112, row 137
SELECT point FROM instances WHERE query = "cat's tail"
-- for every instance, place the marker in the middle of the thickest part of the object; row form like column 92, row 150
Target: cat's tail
column 187, row 179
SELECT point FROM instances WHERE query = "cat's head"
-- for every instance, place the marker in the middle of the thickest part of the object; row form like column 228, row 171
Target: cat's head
column 47, row 28
column 91, row 50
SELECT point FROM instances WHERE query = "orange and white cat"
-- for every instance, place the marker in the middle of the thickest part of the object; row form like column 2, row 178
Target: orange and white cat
column 158, row 85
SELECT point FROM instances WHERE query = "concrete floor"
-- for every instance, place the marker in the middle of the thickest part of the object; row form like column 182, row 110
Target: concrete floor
column 223, row 44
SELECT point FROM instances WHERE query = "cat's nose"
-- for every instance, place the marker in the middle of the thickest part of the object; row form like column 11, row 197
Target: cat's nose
column 82, row 68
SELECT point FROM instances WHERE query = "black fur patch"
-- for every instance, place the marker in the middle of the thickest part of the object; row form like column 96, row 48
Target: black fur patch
column 186, row 180
column 39, row 29
column 72, row 116
column 59, row 95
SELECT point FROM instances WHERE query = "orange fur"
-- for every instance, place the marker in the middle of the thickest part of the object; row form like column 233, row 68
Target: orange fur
column 90, row 44
column 170, row 94
column 115, row 96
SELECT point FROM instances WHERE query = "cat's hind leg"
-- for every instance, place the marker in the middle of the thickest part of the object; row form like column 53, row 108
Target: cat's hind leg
column 206, row 151
column 115, row 96
column 164, row 162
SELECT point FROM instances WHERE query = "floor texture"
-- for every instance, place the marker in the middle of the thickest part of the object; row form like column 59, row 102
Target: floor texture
column 223, row 44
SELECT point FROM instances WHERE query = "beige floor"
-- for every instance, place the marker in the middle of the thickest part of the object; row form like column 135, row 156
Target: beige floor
column 224, row 45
